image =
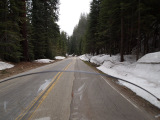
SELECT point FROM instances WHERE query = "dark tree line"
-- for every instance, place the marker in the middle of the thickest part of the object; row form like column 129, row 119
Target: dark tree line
column 122, row 26
column 28, row 30
column 62, row 44
column 77, row 40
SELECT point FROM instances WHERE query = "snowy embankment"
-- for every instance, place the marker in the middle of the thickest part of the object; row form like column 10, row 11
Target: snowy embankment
column 59, row 57
column 4, row 65
column 48, row 60
column 44, row 61
column 144, row 73
column 85, row 57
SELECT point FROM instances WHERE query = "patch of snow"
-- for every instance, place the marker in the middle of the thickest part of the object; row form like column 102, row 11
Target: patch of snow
column 150, row 58
column 157, row 116
column 4, row 65
column 59, row 57
column 141, row 77
column 70, row 55
column 44, row 61
column 144, row 73
column 100, row 59
column 148, row 71
column 85, row 57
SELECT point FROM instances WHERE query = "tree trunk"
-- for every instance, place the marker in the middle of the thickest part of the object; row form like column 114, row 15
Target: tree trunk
column 122, row 35
column 5, row 33
column 138, row 39
column 130, row 41
column 23, row 31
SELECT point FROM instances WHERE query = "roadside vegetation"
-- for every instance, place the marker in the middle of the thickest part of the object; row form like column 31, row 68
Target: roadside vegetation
column 118, row 27
column 29, row 30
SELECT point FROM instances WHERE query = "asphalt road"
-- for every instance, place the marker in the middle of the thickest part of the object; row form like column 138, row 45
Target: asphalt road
column 64, row 96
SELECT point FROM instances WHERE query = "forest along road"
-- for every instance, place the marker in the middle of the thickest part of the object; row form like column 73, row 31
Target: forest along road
column 64, row 96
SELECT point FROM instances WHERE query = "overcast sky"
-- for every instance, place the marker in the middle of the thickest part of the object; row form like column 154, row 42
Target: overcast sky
column 70, row 11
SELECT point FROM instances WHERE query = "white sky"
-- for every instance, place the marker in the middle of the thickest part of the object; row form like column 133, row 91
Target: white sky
column 70, row 11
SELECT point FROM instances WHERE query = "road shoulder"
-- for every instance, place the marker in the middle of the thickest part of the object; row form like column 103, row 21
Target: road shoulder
column 139, row 102
column 22, row 67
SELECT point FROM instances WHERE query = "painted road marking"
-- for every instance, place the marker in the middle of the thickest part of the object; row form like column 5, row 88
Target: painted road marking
column 35, row 100
column 118, row 91
column 49, row 90
column 41, row 97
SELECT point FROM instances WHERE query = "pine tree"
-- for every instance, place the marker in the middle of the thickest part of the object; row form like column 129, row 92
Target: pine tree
column 9, row 31
column 92, row 36
column 124, row 27
column 23, row 29
column 45, row 28
column 77, row 39
column 62, row 44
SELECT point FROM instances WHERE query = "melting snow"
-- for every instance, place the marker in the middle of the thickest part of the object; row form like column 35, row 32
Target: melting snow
column 145, row 72
column 4, row 65
column 85, row 57
column 150, row 58
column 157, row 116
column 59, row 57
column 44, row 61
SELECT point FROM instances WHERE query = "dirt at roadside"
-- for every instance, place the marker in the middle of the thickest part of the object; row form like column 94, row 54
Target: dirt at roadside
column 21, row 67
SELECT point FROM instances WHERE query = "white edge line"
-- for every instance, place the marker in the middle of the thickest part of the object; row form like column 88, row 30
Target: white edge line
column 120, row 93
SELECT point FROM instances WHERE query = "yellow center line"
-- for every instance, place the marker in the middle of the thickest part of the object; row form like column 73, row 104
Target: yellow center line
column 44, row 96
column 35, row 100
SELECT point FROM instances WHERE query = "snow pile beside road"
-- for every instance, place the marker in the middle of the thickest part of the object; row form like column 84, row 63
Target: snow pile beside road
column 150, row 58
column 100, row 59
column 85, row 57
column 44, row 61
column 4, row 65
column 59, row 57
column 144, row 73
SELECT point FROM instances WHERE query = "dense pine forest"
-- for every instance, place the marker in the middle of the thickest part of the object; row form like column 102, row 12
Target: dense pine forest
column 29, row 29
column 119, row 26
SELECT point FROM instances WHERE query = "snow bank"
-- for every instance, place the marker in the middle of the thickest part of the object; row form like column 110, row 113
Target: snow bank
column 85, row 57
column 150, row 58
column 44, row 61
column 70, row 55
column 59, row 57
column 4, row 65
column 145, row 72
column 100, row 59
